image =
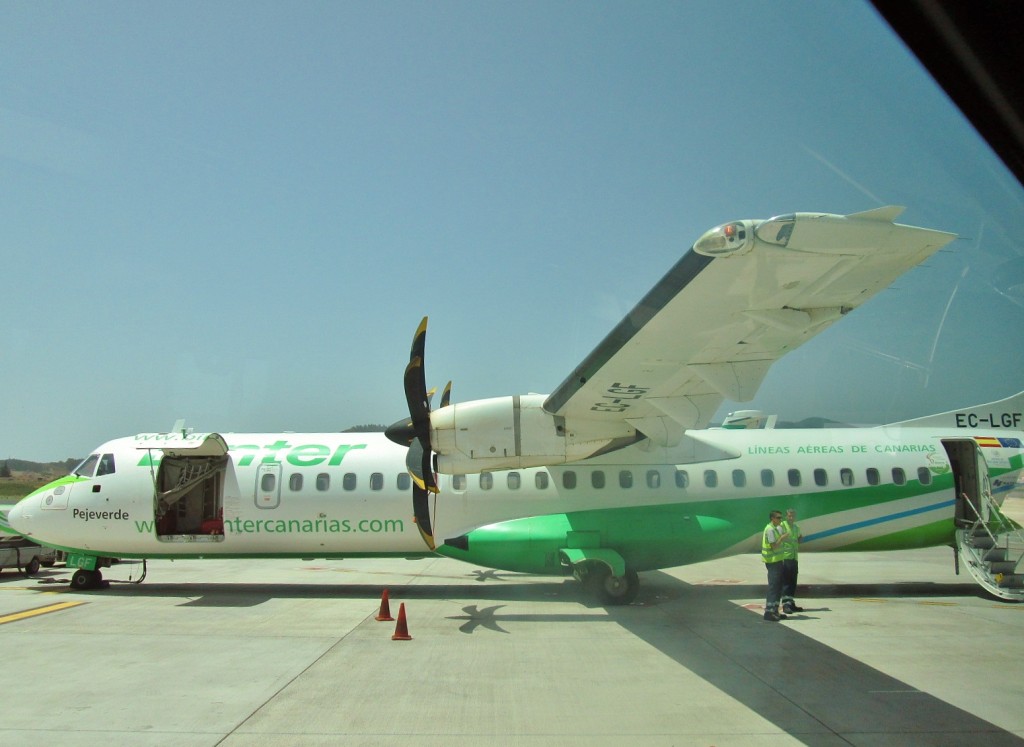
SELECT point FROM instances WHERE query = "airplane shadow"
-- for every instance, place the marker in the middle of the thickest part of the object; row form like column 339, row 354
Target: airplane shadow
column 806, row 688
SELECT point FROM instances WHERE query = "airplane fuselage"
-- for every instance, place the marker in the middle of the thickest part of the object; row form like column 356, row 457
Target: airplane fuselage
column 348, row 495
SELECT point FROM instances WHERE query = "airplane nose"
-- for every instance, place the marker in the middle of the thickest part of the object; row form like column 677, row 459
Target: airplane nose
column 18, row 517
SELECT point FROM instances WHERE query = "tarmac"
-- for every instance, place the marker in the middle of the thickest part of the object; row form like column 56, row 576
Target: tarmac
column 892, row 648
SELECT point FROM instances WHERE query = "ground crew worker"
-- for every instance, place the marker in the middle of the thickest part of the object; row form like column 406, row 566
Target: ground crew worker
column 790, row 549
column 771, row 553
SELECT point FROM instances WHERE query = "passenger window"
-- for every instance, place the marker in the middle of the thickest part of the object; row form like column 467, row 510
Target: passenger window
column 568, row 479
column 267, row 483
column 404, row 482
column 513, row 481
column 486, row 481
column 710, row 478
column 653, row 478
column 739, row 478
column 846, row 477
column 458, row 482
column 899, row 477
column 924, row 475
column 106, row 465
column 597, row 479
column 682, row 479
column 295, row 482
column 873, row 476
column 323, row 481
column 767, row 478
column 376, row 481
column 625, row 479
column 541, row 480
column 348, row 482
column 88, row 467
column 820, row 477
column 794, row 478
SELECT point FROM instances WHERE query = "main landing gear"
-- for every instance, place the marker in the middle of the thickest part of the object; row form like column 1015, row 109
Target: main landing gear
column 84, row 580
column 610, row 589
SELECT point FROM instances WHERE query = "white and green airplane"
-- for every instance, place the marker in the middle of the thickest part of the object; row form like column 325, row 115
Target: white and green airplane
column 614, row 473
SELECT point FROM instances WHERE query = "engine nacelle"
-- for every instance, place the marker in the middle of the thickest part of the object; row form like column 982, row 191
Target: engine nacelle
column 508, row 433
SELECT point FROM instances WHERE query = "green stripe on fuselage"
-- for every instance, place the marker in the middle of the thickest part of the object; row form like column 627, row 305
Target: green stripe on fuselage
column 673, row 534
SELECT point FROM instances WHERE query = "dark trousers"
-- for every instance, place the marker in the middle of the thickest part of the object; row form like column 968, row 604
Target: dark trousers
column 771, row 603
column 790, row 568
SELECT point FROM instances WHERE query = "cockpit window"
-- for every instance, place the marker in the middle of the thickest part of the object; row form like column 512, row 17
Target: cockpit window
column 106, row 465
column 88, row 467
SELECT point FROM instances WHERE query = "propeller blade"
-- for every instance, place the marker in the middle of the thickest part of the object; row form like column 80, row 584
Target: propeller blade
column 421, row 514
column 416, row 394
column 427, row 467
column 446, row 395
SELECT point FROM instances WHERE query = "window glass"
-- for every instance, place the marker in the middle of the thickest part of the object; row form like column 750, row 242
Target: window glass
column 88, row 467
column 323, row 481
column 458, row 482
column 376, row 481
column 295, row 482
column 597, row 478
column 106, row 465
column 486, row 480
column 403, row 481
column 711, row 478
column 682, row 478
column 568, row 479
column 739, row 478
column 846, row 476
column 820, row 477
column 348, row 481
column 513, row 481
column 541, row 480
column 653, row 478
column 872, row 476
column 899, row 477
column 767, row 478
column 268, row 482
column 625, row 479
column 794, row 478
column 924, row 475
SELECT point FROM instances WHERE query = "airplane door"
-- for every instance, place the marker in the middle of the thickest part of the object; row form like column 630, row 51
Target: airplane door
column 268, row 486
column 970, row 480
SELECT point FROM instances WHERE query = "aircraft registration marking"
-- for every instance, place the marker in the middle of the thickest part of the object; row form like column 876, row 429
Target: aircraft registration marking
column 15, row 616
column 620, row 397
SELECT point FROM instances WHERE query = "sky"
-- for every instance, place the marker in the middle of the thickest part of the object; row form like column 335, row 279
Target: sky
column 237, row 213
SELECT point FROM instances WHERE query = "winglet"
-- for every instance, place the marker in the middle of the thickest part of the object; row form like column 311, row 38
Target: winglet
column 886, row 214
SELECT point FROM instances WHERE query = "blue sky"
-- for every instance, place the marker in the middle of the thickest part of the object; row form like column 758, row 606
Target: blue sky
column 237, row 213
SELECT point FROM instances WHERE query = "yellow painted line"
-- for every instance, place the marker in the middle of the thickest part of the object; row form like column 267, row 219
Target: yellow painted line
column 38, row 611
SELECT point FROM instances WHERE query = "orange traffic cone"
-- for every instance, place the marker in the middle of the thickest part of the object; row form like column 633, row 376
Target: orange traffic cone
column 385, row 609
column 401, row 629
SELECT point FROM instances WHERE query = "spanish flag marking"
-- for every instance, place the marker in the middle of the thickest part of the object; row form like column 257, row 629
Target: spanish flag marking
column 988, row 441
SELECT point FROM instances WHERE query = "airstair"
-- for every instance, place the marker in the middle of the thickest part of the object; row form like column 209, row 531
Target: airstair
column 991, row 546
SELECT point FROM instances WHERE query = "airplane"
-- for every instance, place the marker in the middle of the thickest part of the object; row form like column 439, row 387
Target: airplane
column 616, row 472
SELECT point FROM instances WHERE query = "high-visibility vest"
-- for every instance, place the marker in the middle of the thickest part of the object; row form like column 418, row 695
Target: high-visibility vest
column 768, row 555
column 791, row 545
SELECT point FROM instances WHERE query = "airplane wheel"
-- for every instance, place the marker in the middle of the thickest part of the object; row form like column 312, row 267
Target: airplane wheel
column 84, row 580
column 32, row 568
column 615, row 590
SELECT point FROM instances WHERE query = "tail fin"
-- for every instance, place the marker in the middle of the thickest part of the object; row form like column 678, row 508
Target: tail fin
column 1004, row 414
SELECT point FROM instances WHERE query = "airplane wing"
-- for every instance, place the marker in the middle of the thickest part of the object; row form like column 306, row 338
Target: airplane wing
column 745, row 294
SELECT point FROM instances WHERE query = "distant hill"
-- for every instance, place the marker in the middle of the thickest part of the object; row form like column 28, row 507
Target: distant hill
column 41, row 468
column 813, row 423
column 371, row 428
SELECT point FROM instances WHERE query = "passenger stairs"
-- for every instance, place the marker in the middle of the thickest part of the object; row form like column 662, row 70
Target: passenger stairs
column 992, row 548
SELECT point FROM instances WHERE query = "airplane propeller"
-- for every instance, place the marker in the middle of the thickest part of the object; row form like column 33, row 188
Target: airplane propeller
column 414, row 433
